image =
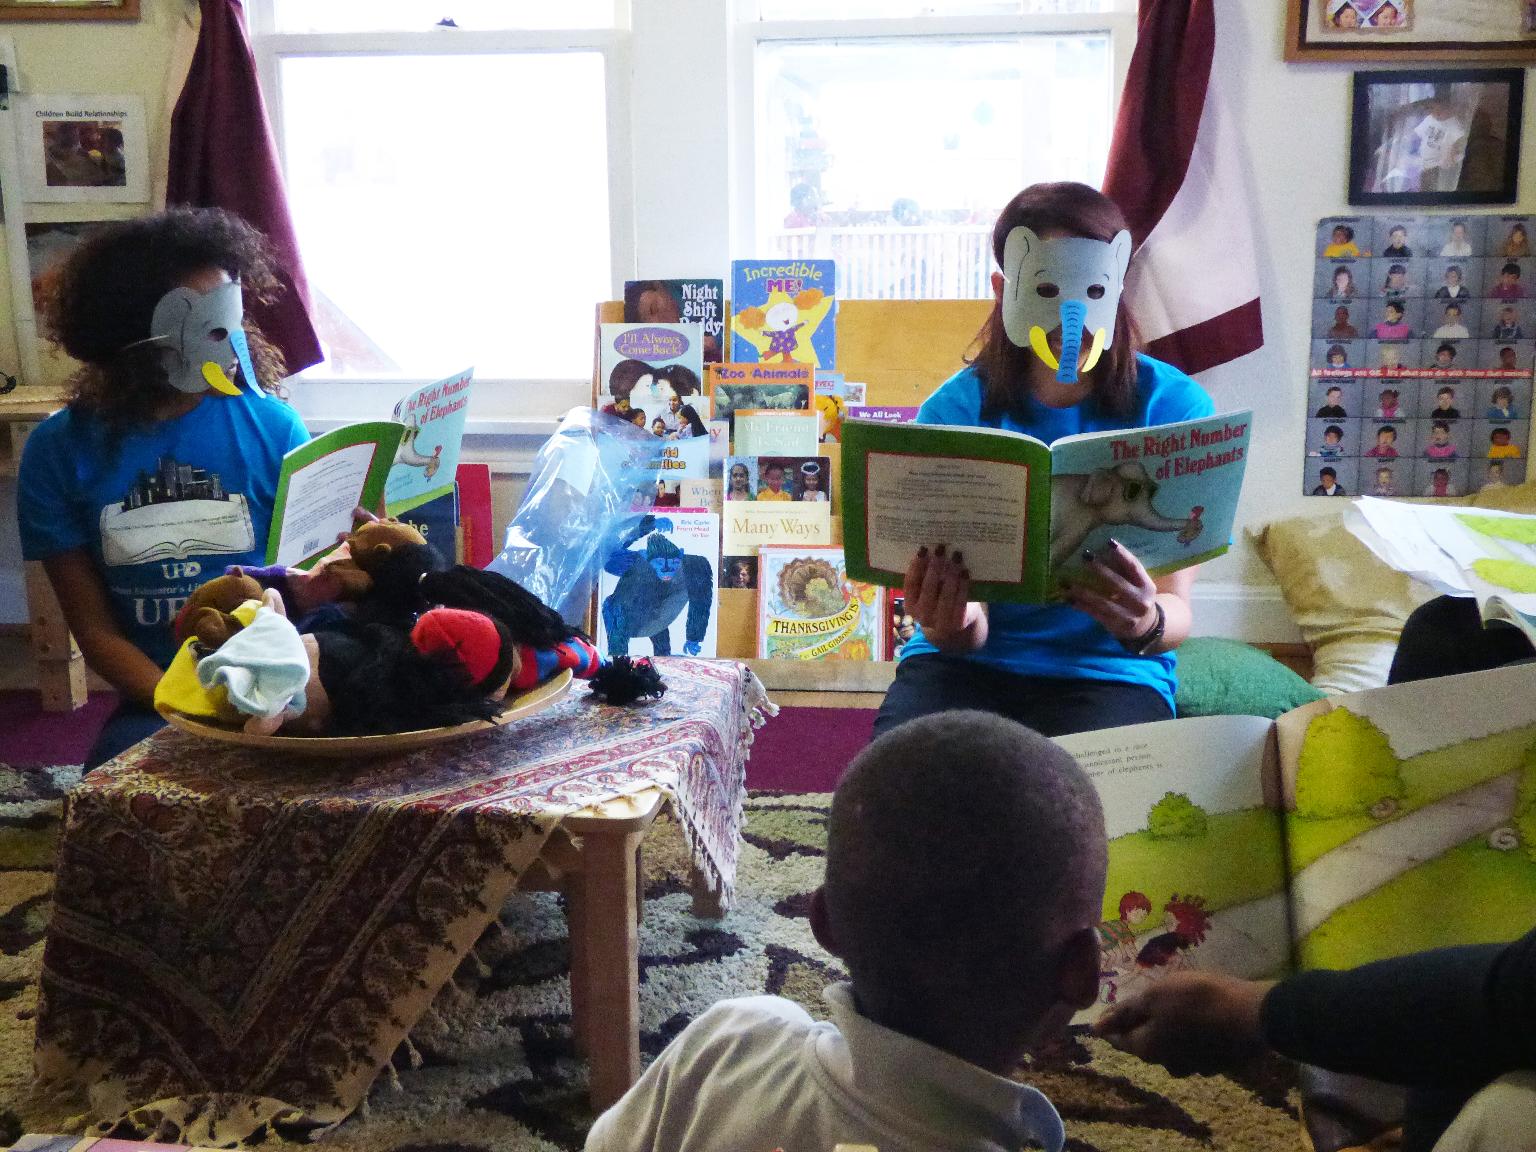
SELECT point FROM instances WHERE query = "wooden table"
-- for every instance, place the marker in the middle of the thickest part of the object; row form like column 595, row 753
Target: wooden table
column 284, row 923
column 594, row 858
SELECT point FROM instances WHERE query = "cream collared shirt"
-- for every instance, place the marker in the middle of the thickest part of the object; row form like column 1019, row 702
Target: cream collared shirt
column 757, row 1074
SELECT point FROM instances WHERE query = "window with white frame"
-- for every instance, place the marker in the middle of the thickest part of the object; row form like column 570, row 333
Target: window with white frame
column 888, row 134
column 454, row 188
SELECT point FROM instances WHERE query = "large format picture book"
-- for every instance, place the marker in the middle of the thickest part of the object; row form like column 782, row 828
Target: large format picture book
column 401, row 464
column 808, row 609
column 656, row 594
column 1478, row 552
column 1023, row 513
column 784, row 311
column 1352, row 829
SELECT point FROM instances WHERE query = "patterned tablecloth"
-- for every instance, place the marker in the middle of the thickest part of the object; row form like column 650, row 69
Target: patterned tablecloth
column 239, row 938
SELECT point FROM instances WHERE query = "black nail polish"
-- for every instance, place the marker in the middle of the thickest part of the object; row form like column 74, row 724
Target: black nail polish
column 965, row 573
column 923, row 550
column 957, row 557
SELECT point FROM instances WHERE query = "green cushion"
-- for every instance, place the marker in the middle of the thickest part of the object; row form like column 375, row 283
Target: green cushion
column 1229, row 678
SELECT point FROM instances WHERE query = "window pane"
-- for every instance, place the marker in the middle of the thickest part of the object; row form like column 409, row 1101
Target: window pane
column 895, row 157
column 896, row 9
column 414, row 15
column 437, row 232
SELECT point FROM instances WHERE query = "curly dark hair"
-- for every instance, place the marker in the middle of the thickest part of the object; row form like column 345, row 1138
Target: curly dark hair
column 100, row 304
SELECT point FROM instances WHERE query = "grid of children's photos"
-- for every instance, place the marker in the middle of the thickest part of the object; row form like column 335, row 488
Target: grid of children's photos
column 1423, row 337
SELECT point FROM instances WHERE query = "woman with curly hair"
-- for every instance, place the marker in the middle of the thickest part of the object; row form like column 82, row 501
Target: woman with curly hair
column 162, row 469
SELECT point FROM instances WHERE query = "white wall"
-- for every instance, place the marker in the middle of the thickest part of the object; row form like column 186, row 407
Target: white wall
column 1295, row 115
column 105, row 57
column 1296, row 118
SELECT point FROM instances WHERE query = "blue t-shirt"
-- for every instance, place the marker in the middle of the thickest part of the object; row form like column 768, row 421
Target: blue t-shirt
column 162, row 510
column 1054, row 639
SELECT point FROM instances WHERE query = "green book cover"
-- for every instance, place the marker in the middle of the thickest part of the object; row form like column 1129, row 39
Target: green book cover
column 320, row 485
column 985, row 492
column 1024, row 514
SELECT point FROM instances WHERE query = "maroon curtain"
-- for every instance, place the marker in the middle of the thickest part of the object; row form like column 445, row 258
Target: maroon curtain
column 1159, row 118
column 223, row 155
column 1177, row 171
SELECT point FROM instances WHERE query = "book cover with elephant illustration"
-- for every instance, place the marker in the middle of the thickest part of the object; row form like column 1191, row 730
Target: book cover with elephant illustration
column 1352, row 829
column 1024, row 514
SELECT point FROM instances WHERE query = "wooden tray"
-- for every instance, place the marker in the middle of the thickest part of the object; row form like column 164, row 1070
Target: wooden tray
column 543, row 696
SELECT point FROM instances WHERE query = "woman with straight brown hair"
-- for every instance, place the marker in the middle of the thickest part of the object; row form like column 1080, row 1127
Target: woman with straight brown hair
column 1102, row 658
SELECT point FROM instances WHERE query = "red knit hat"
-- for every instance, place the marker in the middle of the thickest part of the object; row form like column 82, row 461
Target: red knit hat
column 470, row 639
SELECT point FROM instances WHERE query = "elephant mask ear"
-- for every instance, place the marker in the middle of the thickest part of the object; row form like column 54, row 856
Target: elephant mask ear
column 1070, row 283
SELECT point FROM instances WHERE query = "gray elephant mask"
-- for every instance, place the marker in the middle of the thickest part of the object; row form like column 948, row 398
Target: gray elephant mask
column 200, row 333
column 1070, row 282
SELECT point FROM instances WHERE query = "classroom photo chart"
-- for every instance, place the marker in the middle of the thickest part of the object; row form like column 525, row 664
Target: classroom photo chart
column 1423, row 343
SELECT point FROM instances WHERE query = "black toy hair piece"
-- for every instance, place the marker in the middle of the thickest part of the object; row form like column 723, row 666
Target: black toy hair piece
column 527, row 618
column 626, row 679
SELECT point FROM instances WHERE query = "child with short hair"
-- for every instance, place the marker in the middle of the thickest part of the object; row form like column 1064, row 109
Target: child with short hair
column 960, row 962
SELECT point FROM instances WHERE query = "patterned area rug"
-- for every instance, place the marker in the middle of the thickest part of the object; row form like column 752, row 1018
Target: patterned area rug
column 492, row 1067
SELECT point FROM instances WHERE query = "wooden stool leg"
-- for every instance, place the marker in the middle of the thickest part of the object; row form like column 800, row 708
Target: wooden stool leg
column 639, row 884
column 611, row 985
column 576, row 925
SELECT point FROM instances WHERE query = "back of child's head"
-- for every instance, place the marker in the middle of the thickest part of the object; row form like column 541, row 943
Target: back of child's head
column 963, row 851
column 99, row 306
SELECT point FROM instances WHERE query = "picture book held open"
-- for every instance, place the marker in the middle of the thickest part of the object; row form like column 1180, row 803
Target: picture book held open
column 1477, row 552
column 403, row 463
column 1352, row 829
column 1024, row 513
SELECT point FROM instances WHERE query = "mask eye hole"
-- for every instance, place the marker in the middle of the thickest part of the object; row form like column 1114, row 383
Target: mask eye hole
column 1132, row 490
column 1095, row 291
column 1048, row 290
column 218, row 334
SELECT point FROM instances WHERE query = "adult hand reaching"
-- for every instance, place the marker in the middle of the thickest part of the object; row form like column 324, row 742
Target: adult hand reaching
column 937, row 593
column 1190, row 1022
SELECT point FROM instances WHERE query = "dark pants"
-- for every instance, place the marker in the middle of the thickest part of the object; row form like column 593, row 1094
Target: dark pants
column 128, row 724
column 1052, row 706
column 1446, row 636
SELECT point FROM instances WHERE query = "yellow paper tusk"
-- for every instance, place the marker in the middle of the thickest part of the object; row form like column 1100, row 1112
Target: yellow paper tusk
column 1096, row 351
column 218, row 379
column 1042, row 349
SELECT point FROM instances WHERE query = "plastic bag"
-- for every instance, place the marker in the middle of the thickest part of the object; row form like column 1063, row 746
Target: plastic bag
column 590, row 476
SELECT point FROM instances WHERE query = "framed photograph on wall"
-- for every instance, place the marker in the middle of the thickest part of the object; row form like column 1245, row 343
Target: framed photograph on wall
column 11, row 10
column 83, row 149
column 1449, row 31
column 1436, row 137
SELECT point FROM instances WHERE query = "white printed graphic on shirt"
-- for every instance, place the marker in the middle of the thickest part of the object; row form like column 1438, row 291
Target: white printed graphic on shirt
column 179, row 511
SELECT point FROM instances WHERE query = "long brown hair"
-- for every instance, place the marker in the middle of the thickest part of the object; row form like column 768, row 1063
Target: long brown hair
column 98, row 307
column 1003, row 366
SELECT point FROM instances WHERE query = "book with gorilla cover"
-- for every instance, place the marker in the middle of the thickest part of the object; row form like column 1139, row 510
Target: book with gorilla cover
column 657, row 594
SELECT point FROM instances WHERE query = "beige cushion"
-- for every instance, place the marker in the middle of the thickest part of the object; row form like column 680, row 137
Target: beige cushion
column 1350, row 606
